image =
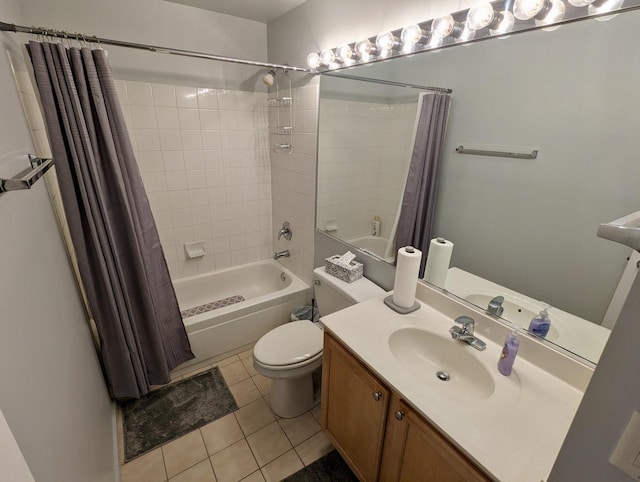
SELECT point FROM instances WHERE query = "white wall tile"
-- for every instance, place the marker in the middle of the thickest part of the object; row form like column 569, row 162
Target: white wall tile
column 164, row 95
column 176, row 180
column 209, row 119
column 167, row 118
column 170, row 139
column 189, row 119
column 143, row 116
column 207, row 98
column 139, row 93
column 191, row 139
column 173, row 160
column 147, row 139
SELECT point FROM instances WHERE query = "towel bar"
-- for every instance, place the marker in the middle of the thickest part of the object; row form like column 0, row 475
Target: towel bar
column 39, row 166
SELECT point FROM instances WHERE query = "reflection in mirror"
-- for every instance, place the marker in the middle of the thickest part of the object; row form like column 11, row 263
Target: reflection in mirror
column 524, row 229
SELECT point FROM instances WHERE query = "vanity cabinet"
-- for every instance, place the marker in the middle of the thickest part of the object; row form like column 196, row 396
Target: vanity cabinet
column 354, row 409
column 377, row 433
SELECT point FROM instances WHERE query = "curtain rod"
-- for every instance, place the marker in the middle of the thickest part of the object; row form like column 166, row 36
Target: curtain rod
column 337, row 75
column 10, row 27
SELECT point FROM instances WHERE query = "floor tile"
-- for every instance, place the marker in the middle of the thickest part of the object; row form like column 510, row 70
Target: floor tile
column 317, row 413
column 227, row 361
column 254, row 416
column 282, row 467
column 313, row 448
column 245, row 392
column 234, row 463
column 248, row 364
column 196, row 371
column 220, row 434
column 300, row 428
column 268, row 443
column 263, row 384
column 184, row 452
column 234, row 372
column 146, row 468
column 255, row 477
column 247, row 354
column 202, row 472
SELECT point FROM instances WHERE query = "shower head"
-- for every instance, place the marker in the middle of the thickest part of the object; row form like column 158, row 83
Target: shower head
column 269, row 77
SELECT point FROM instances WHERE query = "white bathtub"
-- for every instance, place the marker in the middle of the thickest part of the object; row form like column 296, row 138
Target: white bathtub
column 271, row 292
column 374, row 245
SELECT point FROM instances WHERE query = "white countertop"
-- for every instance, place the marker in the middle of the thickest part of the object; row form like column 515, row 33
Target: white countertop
column 516, row 433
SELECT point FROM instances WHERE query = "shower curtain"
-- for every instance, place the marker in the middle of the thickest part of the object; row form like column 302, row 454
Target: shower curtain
column 120, row 259
column 418, row 203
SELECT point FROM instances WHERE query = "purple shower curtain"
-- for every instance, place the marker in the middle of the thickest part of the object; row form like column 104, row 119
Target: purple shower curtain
column 415, row 224
column 121, row 262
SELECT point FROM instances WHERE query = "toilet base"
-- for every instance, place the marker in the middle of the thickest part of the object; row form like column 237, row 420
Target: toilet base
column 291, row 397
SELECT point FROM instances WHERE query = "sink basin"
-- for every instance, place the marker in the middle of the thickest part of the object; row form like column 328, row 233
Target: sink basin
column 426, row 355
column 515, row 311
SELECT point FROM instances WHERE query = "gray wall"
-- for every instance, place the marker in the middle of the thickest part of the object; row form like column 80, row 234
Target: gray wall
column 53, row 395
column 611, row 398
column 161, row 23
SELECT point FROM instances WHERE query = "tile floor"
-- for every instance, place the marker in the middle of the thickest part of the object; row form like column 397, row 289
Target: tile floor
column 251, row 444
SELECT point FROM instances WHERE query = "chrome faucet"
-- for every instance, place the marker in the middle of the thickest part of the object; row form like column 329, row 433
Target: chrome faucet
column 281, row 254
column 465, row 332
column 285, row 231
column 495, row 306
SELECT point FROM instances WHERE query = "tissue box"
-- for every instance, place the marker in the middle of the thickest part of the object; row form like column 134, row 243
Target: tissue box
column 350, row 274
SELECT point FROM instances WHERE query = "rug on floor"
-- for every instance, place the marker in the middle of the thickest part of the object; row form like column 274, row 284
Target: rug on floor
column 165, row 414
column 329, row 468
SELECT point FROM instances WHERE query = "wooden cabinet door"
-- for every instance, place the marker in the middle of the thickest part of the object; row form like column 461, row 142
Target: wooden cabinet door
column 354, row 409
column 414, row 450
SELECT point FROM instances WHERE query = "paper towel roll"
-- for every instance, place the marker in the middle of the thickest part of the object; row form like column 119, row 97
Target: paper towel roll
column 438, row 259
column 407, row 267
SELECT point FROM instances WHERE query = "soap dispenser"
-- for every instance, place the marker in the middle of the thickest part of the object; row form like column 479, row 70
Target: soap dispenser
column 375, row 226
column 541, row 323
column 509, row 352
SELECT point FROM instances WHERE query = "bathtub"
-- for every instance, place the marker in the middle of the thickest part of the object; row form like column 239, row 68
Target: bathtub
column 270, row 294
column 373, row 245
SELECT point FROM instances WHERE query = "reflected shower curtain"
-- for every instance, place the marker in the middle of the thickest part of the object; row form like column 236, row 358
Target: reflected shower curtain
column 415, row 224
column 120, row 259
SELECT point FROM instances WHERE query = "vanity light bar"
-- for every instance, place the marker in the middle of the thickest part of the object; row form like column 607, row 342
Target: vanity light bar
column 484, row 20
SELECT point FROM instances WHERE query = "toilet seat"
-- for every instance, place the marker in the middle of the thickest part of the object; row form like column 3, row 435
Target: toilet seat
column 288, row 346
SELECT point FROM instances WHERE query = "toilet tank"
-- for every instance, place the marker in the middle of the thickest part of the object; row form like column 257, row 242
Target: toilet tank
column 333, row 294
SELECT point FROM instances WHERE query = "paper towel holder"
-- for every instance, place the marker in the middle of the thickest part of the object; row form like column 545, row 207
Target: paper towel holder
column 401, row 309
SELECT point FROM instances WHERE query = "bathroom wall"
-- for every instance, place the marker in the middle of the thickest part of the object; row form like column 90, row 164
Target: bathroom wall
column 363, row 154
column 53, row 395
column 610, row 399
column 204, row 158
column 294, row 180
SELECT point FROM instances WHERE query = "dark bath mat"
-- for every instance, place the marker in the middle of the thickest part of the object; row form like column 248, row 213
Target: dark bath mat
column 175, row 410
column 329, row 468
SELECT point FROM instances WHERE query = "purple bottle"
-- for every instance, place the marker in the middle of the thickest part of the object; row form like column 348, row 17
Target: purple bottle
column 509, row 352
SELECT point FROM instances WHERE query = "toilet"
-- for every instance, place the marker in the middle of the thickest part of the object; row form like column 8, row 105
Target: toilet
column 291, row 354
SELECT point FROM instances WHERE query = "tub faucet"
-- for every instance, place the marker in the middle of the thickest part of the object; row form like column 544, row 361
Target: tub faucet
column 464, row 332
column 281, row 254
column 495, row 306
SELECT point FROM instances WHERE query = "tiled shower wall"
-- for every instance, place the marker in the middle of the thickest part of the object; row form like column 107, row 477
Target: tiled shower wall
column 294, row 182
column 362, row 160
column 204, row 158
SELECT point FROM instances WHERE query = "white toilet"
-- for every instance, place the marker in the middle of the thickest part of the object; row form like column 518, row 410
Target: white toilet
column 291, row 353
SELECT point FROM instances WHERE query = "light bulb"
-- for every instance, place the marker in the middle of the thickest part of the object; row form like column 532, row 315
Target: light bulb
column 526, row 9
column 313, row 60
column 481, row 16
column 555, row 13
column 386, row 41
column 327, row 57
column 345, row 54
column 443, row 26
column 603, row 7
column 505, row 25
column 365, row 48
column 412, row 35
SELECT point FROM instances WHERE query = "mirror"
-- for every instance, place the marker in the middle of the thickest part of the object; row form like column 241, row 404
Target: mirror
column 522, row 228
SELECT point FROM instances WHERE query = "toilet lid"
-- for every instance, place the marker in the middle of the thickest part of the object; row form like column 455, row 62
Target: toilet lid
column 289, row 344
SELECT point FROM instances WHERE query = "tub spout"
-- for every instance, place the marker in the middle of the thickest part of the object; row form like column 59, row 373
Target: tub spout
column 281, row 254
